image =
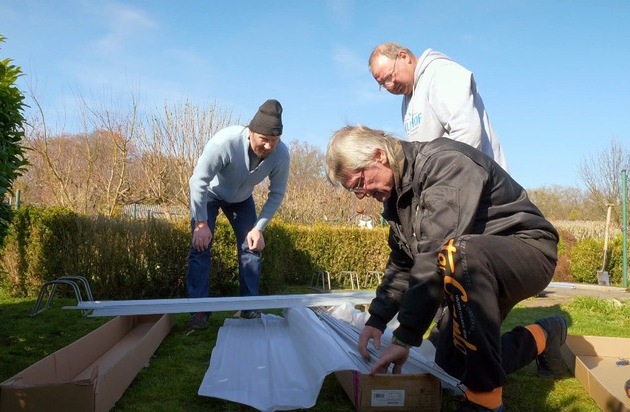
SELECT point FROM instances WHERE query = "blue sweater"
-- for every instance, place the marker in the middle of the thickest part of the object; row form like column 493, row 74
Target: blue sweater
column 222, row 172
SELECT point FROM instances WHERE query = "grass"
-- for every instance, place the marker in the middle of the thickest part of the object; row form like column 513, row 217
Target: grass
column 171, row 381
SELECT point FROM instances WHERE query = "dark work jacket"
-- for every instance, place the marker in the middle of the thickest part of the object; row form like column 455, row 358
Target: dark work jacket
column 446, row 189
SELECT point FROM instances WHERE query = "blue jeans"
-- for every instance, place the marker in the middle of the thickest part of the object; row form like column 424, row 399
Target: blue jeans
column 242, row 217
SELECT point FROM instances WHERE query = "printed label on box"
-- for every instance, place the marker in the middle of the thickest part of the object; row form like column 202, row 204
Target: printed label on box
column 391, row 397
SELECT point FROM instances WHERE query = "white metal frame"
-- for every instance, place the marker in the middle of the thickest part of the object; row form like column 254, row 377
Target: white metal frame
column 219, row 304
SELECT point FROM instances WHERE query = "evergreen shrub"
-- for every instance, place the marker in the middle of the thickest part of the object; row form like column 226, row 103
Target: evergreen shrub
column 614, row 263
column 586, row 260
column 124, row 258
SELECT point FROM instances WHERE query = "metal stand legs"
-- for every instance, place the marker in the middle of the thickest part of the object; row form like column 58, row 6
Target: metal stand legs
column 72, row 281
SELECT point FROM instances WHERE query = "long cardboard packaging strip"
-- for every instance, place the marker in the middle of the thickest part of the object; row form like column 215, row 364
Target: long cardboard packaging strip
column 593, row 361
column 90, row 374
column 392, row 393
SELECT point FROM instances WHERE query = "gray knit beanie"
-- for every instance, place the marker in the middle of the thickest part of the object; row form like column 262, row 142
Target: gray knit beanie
column 268, row 119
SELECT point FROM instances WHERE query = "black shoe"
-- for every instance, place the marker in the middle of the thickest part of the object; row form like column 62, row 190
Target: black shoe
column 468, row 406
column 198, row 321
column 550, row 362
column 249, row 314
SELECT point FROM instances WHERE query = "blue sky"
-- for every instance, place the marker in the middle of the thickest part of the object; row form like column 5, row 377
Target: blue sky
column 553, row 74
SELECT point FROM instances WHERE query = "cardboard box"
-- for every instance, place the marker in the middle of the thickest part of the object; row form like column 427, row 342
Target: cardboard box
column 594, row 362
column 369, row 393
column 90, row 374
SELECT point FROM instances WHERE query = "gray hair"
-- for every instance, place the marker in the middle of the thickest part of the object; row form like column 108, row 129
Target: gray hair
column 389, row 50
column 353, row 148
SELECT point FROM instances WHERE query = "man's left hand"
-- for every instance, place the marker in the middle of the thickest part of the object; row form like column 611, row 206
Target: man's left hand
column 255, row 240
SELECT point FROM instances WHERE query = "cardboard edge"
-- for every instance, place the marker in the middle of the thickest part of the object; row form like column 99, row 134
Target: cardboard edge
column 110, row 387
column 578, row 348
column 360, row 387
column 100, row 387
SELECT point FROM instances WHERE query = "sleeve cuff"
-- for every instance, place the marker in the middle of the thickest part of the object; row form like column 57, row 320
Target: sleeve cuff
column 376, row 322
column 398, row 342
column 408, row 336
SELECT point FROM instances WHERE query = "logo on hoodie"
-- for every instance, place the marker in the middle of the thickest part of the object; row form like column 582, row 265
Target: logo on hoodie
column 413, row 121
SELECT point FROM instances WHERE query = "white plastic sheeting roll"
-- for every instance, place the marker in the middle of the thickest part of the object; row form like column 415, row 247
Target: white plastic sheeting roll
column 279, row 363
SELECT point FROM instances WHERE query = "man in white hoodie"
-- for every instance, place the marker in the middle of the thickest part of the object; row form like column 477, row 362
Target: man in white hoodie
column 440, row 97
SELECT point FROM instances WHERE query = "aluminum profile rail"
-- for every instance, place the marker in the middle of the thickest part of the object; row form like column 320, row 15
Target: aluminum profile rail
column 347, row 336
column 219, row 304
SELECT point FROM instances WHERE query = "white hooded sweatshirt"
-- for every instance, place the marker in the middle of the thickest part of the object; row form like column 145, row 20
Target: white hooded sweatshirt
column 445, row 103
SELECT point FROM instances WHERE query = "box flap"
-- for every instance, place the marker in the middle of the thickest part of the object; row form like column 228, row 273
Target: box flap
column 594, row 362
column 62, row 397
column 133, row 352
column 599, row 345
column 65, row 364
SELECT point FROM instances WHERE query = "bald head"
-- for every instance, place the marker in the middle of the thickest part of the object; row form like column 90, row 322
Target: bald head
column 389, row 50
column 393, row 67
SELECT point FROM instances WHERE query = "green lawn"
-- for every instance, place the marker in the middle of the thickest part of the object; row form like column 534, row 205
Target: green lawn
column 171, row 381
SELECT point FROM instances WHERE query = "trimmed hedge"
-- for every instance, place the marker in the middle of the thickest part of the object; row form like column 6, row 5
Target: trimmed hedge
column 136, row 259
column 139, row 259
column 121, row 258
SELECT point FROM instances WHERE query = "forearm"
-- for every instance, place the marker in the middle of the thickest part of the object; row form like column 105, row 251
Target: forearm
column 277, row 189
column 390, row 292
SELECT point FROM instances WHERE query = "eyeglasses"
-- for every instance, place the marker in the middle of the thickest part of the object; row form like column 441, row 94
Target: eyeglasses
column 359, row 187
column 389, row 79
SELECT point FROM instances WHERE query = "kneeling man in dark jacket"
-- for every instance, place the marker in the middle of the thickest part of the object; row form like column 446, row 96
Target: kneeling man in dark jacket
column 463, row 232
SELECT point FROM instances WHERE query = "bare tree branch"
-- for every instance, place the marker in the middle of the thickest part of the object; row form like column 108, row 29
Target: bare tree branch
column 601, row 174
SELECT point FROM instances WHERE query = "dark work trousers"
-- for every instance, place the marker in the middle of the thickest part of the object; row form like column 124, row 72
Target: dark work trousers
column 484, row 278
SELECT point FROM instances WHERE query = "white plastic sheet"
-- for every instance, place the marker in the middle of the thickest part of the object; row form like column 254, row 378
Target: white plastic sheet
column 271, row 366
column 279, row 363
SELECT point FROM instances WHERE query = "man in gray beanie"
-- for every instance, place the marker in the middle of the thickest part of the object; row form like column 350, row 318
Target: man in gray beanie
column 233, row 162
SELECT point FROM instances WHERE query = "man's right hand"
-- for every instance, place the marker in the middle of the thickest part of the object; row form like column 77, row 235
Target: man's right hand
column 202, row 236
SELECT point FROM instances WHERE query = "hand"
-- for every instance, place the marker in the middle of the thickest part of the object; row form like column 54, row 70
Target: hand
column 393, row 354
column 255, row 240
column 202, row 236
column 369, row 333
